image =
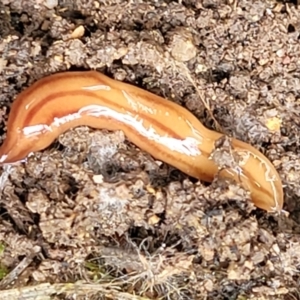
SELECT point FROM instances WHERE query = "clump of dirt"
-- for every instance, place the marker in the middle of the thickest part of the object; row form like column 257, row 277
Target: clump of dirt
column 93, row 216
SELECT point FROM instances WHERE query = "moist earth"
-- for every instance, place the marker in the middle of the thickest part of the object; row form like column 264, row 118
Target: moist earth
column 93, row 216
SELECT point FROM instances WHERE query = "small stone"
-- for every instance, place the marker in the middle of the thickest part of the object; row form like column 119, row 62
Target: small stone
column 78, row 32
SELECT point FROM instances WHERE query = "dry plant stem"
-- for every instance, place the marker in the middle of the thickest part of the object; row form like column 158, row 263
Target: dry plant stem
column 205, row 103
column 47, row 291
column 16, row 272
column 166, row 130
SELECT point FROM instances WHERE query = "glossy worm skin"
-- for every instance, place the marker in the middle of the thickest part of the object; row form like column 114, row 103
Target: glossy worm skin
column 164, row 129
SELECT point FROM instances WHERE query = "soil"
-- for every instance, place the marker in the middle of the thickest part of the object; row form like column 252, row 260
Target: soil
column 93, row 216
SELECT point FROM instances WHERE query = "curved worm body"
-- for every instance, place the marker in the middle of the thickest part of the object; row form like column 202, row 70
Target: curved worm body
column 164, row 129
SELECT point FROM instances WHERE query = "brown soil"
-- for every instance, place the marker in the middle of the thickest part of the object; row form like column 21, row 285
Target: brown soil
column 94, row 217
